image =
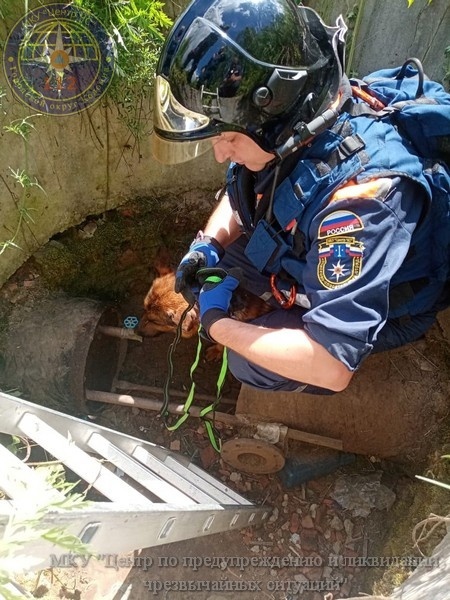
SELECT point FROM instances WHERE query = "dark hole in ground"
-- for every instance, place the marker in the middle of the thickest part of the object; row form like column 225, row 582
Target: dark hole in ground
column 114, row 266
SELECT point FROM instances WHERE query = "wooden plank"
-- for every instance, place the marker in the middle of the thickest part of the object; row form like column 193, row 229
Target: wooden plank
column 232, row 420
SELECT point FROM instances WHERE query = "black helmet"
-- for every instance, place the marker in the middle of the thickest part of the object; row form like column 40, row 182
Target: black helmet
column 259, row 67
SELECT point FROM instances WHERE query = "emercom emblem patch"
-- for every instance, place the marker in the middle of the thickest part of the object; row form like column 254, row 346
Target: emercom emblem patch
column 58, row 59
column 340, row 261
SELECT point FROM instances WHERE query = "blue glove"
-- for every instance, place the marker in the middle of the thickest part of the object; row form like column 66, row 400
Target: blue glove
column 215, row 295
column 204, row 252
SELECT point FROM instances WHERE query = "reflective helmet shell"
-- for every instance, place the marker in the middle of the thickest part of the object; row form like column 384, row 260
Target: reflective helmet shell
column 254, row 66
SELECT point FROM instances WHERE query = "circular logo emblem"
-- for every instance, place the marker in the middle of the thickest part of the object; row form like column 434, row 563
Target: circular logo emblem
column 58, row 59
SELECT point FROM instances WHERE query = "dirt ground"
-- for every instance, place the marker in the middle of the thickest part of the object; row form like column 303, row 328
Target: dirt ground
column 325, row 536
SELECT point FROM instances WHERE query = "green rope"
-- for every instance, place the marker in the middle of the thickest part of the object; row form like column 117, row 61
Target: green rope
column 211, row 430
column 190, row 398
column 209, row 425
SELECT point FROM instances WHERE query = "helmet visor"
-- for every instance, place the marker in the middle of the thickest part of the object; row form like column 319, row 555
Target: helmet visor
column 173, row 152
column 171, row 116
column 175, row 126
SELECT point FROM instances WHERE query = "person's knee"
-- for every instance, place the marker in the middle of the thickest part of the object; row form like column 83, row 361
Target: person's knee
column 404, row 330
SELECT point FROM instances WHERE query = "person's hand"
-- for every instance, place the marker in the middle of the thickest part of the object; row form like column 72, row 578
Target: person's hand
column 215, row 295
column 204, row 252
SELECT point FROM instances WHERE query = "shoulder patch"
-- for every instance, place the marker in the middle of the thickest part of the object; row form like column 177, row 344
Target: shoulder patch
column 338, row 223
column 340, row 261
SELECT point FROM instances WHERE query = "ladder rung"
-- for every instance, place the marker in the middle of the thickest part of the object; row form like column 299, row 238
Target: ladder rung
column 219, row 495
column 78, row 461
column 162, row 489
column 17, row 480
column 178, row 480
column 234, row 496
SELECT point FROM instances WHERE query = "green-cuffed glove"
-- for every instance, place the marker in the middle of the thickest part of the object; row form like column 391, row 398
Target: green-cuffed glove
column 215, row 295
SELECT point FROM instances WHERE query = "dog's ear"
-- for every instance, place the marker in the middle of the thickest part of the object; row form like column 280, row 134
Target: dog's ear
column 162, row 261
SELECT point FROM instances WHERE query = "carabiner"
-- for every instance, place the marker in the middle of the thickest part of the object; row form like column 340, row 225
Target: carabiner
column 284, row 302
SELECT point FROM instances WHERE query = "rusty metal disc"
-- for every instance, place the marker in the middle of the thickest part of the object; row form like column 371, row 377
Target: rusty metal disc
column 252, row 456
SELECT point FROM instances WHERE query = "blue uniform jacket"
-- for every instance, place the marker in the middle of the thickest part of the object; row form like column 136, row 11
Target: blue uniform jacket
column 357, row 195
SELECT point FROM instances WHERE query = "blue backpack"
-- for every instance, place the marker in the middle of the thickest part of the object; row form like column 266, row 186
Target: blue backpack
column 420, row 109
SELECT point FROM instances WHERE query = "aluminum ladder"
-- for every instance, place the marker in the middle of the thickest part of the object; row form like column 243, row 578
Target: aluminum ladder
column 152, row 495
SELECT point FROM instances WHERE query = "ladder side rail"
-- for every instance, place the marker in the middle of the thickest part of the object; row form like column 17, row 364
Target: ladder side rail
column 124, row 528
column 185, row 468
column 231, row 493
column 191, row 471
column 12, row 408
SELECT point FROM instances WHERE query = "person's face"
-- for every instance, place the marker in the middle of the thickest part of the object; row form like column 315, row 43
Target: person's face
column 241, row 149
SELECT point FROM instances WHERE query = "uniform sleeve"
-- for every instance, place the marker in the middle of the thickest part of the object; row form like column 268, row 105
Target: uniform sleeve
column 358, row 243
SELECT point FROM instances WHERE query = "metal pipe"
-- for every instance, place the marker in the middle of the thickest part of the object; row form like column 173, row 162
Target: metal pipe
column 120, row 332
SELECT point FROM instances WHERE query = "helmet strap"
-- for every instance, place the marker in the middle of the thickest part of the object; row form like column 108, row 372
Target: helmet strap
column 305, row 132
column 269, row 212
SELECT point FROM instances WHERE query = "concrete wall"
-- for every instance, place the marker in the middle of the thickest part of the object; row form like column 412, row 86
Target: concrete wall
column 389, row 32
column 86, row 163
column 89, row 163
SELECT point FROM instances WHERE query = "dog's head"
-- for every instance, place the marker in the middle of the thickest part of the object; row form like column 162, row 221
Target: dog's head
column 163, row 307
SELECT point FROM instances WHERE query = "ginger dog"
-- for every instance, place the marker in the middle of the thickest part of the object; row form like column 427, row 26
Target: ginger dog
column 163, row 307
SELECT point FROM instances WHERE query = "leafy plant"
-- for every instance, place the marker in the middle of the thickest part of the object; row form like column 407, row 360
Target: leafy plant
column 137, row 28
column 354, row 19
column 22, row 128
column 25, row 180
column 26, row 525
column 4, row 11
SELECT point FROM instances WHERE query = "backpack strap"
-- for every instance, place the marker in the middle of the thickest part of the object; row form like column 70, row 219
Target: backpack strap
column 420, row 75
